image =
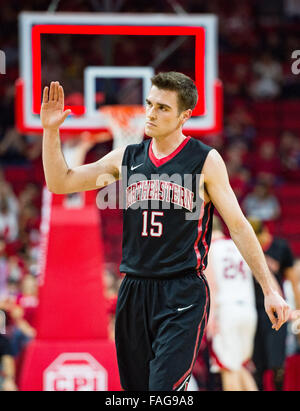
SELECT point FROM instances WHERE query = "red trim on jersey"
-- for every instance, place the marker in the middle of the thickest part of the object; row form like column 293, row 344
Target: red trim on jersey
column 176, row 385
column 160, row 161
column 217, row 361
column 198, row 255
column 247, row 362
column 204, row 239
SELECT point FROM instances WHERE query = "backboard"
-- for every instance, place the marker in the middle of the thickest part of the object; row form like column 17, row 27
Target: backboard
column 171, row 38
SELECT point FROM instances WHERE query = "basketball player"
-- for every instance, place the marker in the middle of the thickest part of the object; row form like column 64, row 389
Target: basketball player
column 163, row 301
column 233, row 318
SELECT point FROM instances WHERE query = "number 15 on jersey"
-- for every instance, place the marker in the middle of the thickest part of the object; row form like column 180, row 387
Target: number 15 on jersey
column 156, row 227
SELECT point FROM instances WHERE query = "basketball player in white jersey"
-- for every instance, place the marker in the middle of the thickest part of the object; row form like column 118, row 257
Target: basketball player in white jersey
column 233, row 314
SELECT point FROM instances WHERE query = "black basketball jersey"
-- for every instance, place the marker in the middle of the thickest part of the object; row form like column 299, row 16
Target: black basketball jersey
column 166, row 225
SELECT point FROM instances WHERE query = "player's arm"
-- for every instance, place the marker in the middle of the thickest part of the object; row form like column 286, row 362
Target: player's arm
column 60, row 179
column 221, row 194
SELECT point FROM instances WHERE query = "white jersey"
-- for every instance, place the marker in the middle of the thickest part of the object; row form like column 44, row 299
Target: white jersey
column 232, row 346
column 232, row 274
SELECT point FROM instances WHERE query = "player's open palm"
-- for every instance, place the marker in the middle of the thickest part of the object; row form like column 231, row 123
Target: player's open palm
column 52, row 110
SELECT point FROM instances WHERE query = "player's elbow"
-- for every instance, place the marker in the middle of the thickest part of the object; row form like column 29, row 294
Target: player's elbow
column 238, row 225
column 55, row 190
column 58, row 186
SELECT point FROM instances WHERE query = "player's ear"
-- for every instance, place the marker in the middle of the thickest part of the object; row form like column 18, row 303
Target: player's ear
column 185, row 115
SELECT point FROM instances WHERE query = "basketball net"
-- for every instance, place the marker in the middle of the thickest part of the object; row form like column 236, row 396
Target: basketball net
column 126, row 123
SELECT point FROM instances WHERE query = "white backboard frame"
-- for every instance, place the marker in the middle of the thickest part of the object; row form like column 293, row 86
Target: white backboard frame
column 28, row 20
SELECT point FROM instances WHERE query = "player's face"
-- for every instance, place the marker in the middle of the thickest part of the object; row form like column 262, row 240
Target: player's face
column 162, row 114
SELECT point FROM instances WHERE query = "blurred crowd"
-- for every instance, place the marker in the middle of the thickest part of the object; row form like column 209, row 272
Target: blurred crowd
column 260, row 147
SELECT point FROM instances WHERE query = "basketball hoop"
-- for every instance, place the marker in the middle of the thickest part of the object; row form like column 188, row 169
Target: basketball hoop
column 126, row 123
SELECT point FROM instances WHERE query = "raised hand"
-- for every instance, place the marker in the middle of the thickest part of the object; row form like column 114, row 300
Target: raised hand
column 52, row 110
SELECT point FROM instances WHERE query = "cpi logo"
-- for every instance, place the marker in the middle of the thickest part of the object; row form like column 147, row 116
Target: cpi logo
column 75, row 372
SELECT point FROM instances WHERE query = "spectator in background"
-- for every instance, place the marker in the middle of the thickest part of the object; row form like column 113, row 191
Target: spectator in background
column 274, row 43
column 266, row 163
column 234, row 157
column 216, row 141
column 240, row 183
column 237, row 24
column 261, row 204
column 3, row 270
column 6, row 191
column 27, row 301
column 289, row 150
column 16, row 268
column 13, row 148
column 237, row 82
column 32, row 254
column 263, row 87
column 239, row 176
column 12, row 290
column 9, row 227
column 29, row 216
column 7, row 365
column 9, row 209
column 29, row 195
column 240, row 126
column 268, row 77
column 34, row 147
column 270, row 346
column 292, row 8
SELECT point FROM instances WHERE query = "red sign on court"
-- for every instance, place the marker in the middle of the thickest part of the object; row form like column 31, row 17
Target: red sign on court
column 75, row 372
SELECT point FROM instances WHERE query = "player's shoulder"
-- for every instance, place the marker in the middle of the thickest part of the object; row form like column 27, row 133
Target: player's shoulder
column 210, row 155
column 133, row 150
column 199, row 145
column 197, row 152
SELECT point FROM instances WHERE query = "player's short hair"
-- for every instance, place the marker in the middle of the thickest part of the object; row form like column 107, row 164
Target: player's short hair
column 184, row 86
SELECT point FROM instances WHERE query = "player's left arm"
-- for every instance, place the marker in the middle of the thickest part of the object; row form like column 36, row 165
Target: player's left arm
column 222, row 196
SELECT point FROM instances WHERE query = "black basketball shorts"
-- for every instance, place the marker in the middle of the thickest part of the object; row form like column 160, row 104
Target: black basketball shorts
column 159, row 328
column 269, row 345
